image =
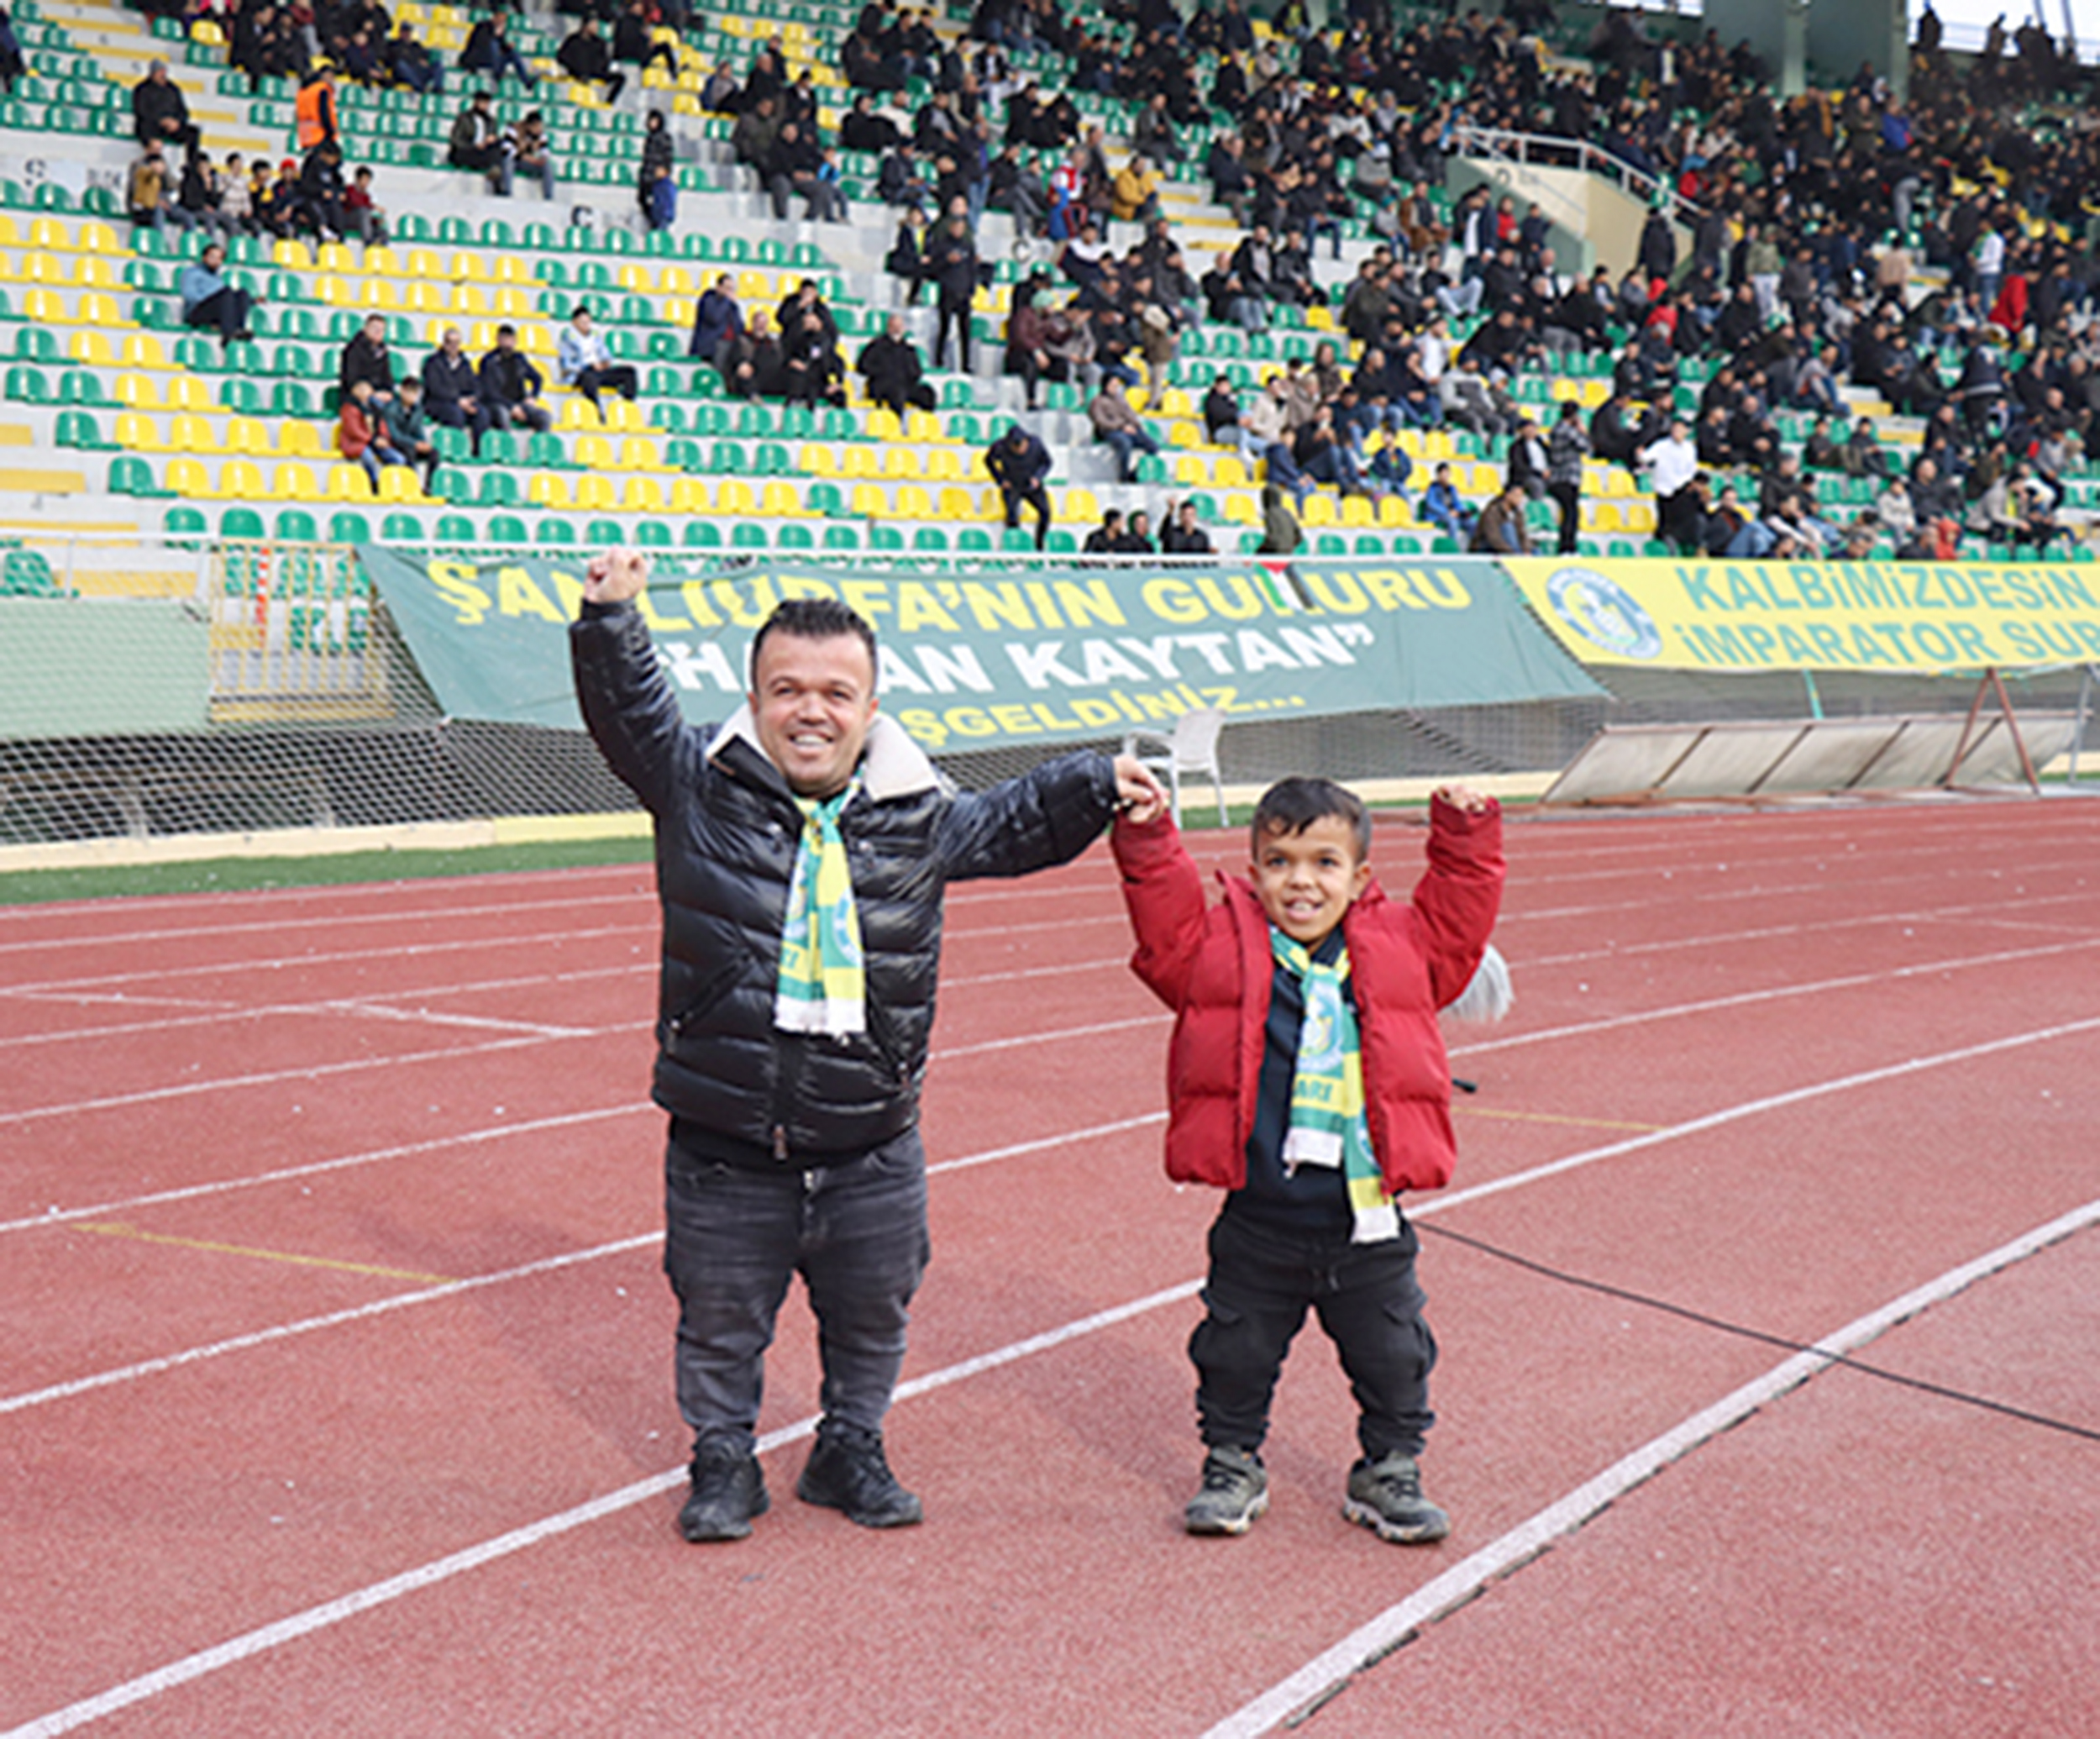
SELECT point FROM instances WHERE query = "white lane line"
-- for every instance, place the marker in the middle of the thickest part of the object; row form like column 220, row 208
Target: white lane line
column 1755, row 1107
column 57, row 1215
column 276, row 1635
column 1774, row 994
column 1370, row 1642
column 1025, row 1038
column 428, row 1294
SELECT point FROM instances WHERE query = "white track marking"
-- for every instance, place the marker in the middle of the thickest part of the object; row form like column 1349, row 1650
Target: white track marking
column 429, row 1294
column 378, row 1593
column 1008, row 1044
column 318, row 1167
column 1370, row 1642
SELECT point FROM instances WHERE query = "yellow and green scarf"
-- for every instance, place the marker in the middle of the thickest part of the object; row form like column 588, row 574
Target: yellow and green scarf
column 1327, row 1122
column 823, row 978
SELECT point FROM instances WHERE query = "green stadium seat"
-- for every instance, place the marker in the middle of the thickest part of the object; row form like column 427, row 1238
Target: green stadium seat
column 498, row 489
column 78, row 429
column 28, row 386
column 453, row 528
column 843, row 536
column 748, row 534
column 885, row 537
column 508, row 528
column 349, row 526
column 130, row 474
column 26, row 573
column 400, row 529
column 933, row 539
column 294, row 525
column 290, row 398
column 652, row 534
column 794, row 536
column 36, row 343
column 184, row 522
column 240, row 523
column 701, row 534
column 81, row 386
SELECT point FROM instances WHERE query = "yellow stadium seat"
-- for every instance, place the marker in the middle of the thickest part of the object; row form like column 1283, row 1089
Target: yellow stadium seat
column 943, row 465
column 576, row 413
column 689, row 495
column 191, row 434
column 94, row 350
column 240, row 479
column 1394, row 513
column 338, row 292
column 676, row 280
column 640, row 453
column 1078, row 504
column 46, row 308
column 100, row 276
column 1357, row 512
column 901, row 463
column 1320, row 509
column 1182, row 433
column 643, row 495
column 467, row 268
column 301, row 440
column 188, row 477
column 425, row 297
column 424, row 262
column 634, row 278
column 781, row 501
column 185, row 392
column 870, row 501
column 622, row 416
column 338, row 256
column 733, row 498
column 910, row 501
column 1240, row 510
column 593, row 452
column 513, row 303
column 1191, row 472
column 957, row 502
column 248, row 434
column 292, row 255
column 295, row 482
column 379, row 295
column 754, row 286
column 402, row 484
column 382, row 260
column 348, row 483
column 883, row 426
column 861, row 459
column 550, row 490
column 138, row 433
column 923, row 426
column 143, row 349
column 511, row 270
column 48, row 232
column 595, row 495
column 10, row 236
column 1230, row 472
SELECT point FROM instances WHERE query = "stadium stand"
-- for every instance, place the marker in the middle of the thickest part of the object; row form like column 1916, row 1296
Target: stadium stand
column 155, row 423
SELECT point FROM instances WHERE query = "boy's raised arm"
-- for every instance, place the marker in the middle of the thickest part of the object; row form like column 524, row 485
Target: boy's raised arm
column 1460, row 893
column 1163, row 891
column 629, row 708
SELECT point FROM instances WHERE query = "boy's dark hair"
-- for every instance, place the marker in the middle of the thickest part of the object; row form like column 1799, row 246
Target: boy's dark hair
column 813, row 619
column 1291, row 806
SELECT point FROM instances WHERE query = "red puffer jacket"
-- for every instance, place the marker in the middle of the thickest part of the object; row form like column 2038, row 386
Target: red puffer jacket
column 1213, row 967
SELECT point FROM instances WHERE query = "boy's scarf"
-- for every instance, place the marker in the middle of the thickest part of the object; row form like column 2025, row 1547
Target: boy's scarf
column 1327, row 1122
column 823, row 980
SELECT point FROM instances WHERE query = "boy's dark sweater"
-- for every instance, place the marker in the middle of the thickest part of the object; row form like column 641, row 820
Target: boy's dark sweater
column 1312, row 1200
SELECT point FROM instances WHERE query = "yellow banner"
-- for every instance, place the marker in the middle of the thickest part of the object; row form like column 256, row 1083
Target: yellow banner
column 1821, row 615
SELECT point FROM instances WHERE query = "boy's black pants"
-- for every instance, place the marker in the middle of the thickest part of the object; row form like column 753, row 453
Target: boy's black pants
column 1262, row 1278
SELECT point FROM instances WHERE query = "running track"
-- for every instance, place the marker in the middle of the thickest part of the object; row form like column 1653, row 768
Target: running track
column 335, row 1395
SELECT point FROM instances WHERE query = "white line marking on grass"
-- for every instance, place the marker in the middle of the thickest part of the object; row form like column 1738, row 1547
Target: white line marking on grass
column 276, row 1635
column 1369, row 1643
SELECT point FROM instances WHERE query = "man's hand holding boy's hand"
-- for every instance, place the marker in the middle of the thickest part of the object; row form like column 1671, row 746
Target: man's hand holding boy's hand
column 1139, row 796
column 1464, row 797
column 618, row 576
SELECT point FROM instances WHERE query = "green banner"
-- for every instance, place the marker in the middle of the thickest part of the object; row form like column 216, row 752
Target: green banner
column 102, row 667
column 986, row 660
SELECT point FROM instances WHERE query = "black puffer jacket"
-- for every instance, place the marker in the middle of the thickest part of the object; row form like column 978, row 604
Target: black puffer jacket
column 727, row 828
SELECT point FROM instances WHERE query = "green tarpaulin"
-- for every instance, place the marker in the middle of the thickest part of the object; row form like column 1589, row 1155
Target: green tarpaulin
column 983, row 660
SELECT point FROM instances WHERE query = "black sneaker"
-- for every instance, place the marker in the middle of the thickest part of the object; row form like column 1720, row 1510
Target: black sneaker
column 1386, row 1496
column 1235, row 1492
column 728, row 1491
column 848, row 1472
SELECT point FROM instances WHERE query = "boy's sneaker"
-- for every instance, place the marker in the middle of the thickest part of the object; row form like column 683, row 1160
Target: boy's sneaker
column 1235, row 1492
column 1386, row 1496
column 728, row 1491
column 848, row 1471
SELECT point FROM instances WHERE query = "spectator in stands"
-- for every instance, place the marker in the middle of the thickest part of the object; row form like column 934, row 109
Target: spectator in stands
column 403, row 427
column 236, row 201
column 148, row 195
column 1106, row 539
column 357, row 437
column 717, row 318
column 1671, row 463
column 1027, row 338
column 906, row 259
column 319, row 203
column 209, row 299
column 313, row 111
column 581, row 360
column 1018, row 463
column 361, row 214
column 795, row 165
column 890, row 363
column 160, row 112
column 452, row 388
column 510, row 386
column 1137, row 536
column 367, row 358
column 720, row 95
column 476, row 141
column 812, row 370
column 489, row 50
column 1566, row 447
column 656, row 184
column 1500, row 529
column 1281, row 535
column 1183, row 534
column 527, row 150
column 1220, row 410
column 950, row 263
column 412, row 65
column 586, row 57
column 1116, row 424
column 1444, row 508
column 634, row 43
column 198, row 193
column 12, row 66
column 750, row 360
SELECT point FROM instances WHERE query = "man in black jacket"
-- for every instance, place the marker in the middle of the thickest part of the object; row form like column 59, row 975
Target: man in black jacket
column 894, row 375
column 452, row 388
column 793, row 1082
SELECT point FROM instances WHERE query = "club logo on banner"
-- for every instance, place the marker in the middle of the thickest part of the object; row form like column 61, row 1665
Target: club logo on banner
column 1604, row 613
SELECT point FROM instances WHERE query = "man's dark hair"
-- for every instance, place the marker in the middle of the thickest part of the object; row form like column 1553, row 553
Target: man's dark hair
column 1291, row 806
column 813, row 619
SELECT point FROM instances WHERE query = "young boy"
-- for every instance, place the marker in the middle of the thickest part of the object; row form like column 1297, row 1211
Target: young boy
column 1307, row 1077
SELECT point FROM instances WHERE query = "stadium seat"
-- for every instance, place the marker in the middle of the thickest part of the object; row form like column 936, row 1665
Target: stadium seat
column 240, row 523
column 701, row 534
column 348, row 527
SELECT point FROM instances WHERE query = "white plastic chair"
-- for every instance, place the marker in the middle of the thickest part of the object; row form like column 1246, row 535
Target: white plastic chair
column 1193, row 747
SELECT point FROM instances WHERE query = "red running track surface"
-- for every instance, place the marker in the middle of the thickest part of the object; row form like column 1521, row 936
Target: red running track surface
column 336, row 1393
